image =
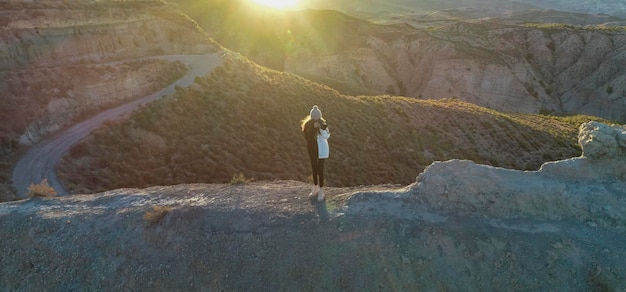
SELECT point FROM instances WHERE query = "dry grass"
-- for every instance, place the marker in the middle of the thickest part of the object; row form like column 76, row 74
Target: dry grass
column 245, row 118
column 42, row 189
column 239, row 178
column 155, row 215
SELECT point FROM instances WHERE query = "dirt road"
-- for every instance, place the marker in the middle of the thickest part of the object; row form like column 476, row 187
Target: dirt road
column 41, row 160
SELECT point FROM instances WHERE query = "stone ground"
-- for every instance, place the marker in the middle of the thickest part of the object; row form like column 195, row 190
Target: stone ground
column 272, row 236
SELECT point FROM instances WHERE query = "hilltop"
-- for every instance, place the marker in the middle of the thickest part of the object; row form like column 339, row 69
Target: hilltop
column 459, row 227
column 244, row 118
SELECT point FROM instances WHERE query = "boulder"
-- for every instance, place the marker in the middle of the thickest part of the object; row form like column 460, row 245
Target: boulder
column 600, row 141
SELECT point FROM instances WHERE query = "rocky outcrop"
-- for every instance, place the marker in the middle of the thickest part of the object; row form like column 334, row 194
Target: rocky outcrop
column 601, row 141
column 589, row 189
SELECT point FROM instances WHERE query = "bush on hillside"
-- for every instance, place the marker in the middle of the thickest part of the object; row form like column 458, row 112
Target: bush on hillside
column 42, row 189
column 239, row 178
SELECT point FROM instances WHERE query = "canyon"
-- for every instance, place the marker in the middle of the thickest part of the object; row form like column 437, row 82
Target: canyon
column 459, row 225
column 508, row 63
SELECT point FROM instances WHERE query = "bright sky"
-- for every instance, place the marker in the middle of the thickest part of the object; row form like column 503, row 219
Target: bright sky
column 279, row 4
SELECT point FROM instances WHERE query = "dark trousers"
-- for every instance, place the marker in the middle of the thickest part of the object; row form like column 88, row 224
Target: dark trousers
column 317, row 166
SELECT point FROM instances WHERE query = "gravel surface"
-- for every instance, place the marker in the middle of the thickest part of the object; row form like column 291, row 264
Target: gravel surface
column 272, row 236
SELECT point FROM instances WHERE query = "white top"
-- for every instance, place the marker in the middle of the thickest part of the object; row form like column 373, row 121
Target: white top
column 322, row 144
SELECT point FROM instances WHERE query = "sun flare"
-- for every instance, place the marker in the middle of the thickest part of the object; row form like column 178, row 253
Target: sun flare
column 278, row 4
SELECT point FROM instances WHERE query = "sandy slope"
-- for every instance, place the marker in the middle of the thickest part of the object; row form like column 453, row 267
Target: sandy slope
column 41, row 160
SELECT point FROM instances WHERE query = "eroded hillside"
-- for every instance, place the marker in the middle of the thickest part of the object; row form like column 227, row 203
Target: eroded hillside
column 562, row 69
column 557, row 69
column 395, row 7
column 46, row 33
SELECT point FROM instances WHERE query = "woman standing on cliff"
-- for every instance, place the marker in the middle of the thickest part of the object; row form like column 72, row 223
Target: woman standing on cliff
column 316, row 134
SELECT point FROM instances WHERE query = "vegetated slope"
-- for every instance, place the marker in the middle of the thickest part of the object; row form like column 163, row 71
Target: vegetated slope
column 524, row 68
column 61, row 61
column 244, row 118
column 40, row 101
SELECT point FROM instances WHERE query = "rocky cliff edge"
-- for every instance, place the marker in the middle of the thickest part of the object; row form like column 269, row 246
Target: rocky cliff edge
column 590, row 188
column 460, row 227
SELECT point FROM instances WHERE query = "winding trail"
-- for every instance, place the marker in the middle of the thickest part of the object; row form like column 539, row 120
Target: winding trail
column 41, row 160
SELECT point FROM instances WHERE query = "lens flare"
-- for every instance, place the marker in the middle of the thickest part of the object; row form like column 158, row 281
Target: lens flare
column 278, row 4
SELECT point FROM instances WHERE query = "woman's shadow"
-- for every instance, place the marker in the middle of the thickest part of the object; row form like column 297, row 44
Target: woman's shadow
column 320, row 207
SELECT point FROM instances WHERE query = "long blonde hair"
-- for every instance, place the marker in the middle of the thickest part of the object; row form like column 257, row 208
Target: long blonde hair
column 304, row 121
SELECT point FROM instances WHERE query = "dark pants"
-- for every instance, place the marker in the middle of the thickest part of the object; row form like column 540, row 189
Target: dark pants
column 317, row 166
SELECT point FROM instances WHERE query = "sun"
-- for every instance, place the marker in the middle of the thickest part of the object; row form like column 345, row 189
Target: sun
column 278, row 4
